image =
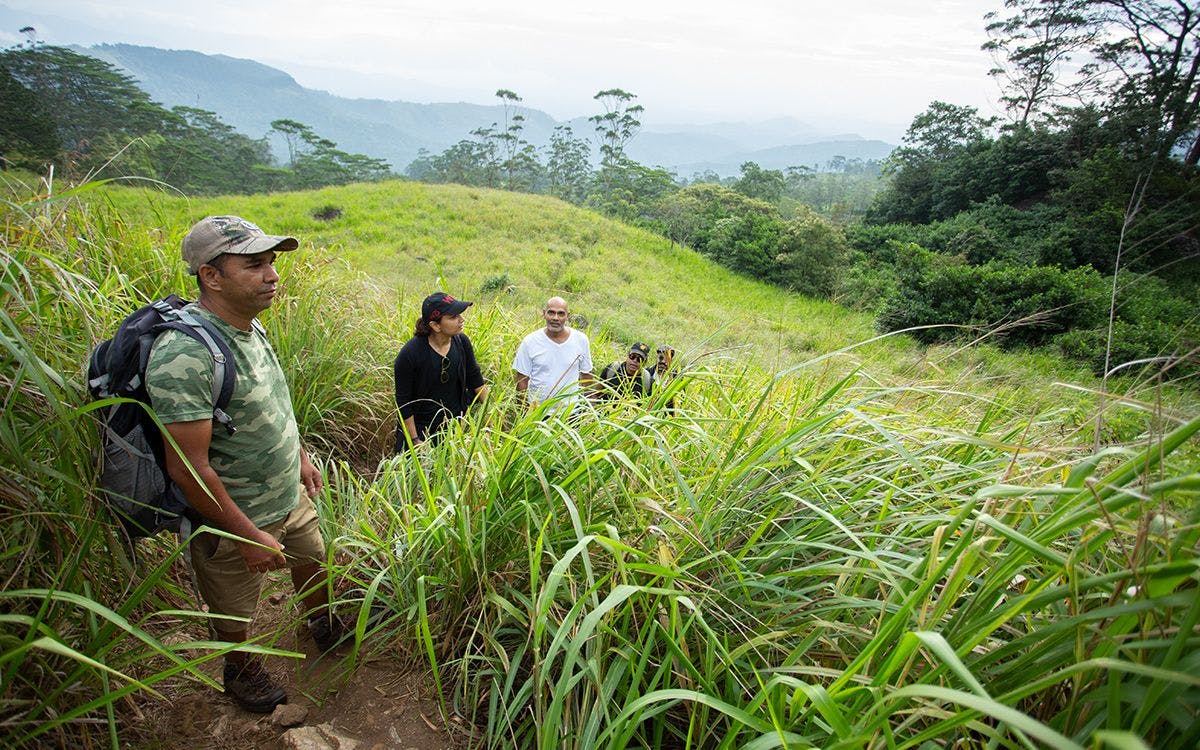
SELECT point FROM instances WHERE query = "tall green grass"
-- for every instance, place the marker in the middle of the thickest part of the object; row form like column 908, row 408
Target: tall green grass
column 804, row 565
column 837, row 555
column 86, row 618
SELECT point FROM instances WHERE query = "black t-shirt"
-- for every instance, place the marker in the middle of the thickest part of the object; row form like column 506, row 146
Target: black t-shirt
column 420, row 392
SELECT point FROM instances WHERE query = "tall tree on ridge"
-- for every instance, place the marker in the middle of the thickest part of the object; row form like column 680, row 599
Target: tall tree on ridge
column 617, row 124
column 1035, row 49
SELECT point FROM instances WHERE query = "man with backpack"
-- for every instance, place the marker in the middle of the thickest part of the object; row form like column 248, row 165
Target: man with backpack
column 629, row 378
column 243, row 468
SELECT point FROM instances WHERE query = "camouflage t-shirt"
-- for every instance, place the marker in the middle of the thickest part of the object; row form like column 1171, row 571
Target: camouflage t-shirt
column 260, row 463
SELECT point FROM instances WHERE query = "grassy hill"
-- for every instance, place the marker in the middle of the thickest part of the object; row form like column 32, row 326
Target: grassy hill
column 828, row 542
column 509, row 252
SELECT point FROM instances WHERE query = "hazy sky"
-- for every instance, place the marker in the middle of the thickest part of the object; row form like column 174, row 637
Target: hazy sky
column 866, row 66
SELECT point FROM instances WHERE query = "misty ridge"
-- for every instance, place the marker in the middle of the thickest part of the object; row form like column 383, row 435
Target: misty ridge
column 249, row 95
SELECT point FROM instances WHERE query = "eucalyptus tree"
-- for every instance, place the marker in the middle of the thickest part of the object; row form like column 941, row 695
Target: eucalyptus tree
column 568, row 166
column 617, row 124
column 519, row 158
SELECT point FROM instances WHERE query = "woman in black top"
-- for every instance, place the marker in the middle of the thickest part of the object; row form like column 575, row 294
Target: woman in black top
column 437, row 376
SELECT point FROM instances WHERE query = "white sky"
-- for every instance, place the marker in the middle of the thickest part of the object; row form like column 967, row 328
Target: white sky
column 865, row 67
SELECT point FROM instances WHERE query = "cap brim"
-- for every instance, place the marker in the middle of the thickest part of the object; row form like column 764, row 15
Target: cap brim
column 457, row 306
column 262, row 244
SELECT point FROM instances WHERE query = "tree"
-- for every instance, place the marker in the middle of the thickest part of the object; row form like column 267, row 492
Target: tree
column 1154, row 48
column 617, row 124
column 1035, row 49
column 937, row 150
column 468, row 162
column 690, row 215
column 747, row 243
column 314, row 161
column 811, row 255
column 628, row 190
column 941, row 130
column 763, row 184
column 519, row 165
column 85, row 97
column 200, row 153
column 568, row 169
column 615, row 127
column 28, row 136
column 1144, row 72
column 294, row 134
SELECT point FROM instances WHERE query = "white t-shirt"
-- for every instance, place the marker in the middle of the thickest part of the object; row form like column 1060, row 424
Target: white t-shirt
column 553, row 368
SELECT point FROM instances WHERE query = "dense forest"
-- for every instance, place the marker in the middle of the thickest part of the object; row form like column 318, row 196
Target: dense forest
column 1071, row 224
column 90, row 120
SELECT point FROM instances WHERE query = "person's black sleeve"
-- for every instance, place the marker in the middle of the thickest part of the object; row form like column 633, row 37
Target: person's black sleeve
column 474, row 379
column 405, row 372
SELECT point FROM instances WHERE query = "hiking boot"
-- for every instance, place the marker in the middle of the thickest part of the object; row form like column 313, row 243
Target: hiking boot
column 252, row 687
column 328, row 631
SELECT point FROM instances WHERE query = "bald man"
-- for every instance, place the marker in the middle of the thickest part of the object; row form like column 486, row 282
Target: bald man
column 554, row 361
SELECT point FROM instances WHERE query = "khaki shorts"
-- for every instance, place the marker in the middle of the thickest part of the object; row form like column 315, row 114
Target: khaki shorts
column 228, row 587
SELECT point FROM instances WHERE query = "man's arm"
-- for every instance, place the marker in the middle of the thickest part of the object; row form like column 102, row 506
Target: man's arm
column 193, row 439
column 310, row 475
column 589, row 385
column 522, row 386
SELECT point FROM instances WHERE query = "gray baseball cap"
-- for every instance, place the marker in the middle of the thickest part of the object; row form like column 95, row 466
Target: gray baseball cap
column 214, row 235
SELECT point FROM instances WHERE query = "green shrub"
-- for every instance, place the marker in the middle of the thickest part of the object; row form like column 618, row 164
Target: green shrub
column 810, row 255
column 1015, row 304
column 1153, row 325
column 501, row 282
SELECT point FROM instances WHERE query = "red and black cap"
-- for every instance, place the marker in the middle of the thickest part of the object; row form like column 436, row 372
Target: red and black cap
column 439, row 303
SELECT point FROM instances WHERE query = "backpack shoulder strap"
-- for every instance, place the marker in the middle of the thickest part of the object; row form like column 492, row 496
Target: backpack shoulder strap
column 224, row 371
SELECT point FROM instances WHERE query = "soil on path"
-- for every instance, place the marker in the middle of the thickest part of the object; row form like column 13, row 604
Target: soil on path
column 375, row 703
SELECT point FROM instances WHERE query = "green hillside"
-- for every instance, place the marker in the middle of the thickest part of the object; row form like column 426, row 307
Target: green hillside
column 826, row 543
column 510, row 251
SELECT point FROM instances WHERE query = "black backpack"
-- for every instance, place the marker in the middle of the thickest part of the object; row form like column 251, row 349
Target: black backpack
column 133, row 473
column 612, row 370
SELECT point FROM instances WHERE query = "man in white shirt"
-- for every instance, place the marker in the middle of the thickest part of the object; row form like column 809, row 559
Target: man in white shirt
column 555, row 361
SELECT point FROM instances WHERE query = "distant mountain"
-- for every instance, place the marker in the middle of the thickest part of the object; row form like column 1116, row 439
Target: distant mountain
column 751, row 136
column 815, row 155
column 249, row 95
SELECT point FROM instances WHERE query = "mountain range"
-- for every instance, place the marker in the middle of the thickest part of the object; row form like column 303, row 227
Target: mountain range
column 249, row 95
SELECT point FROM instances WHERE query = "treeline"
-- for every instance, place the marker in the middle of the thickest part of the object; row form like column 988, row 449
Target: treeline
column 86, row 118
column 1073, row 225
column 776, row 225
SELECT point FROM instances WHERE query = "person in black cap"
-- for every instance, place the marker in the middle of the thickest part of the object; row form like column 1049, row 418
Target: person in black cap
column 629, row 377
column 437, row 375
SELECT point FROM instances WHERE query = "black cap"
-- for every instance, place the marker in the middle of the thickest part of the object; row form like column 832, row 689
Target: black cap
column 639, row 349
column 439, row 303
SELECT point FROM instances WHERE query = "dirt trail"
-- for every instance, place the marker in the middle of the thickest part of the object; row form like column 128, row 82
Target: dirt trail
column 377, row 704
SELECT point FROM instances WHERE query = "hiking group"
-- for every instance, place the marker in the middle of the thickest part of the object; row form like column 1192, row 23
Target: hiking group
column 232, row 454
column 438, row 378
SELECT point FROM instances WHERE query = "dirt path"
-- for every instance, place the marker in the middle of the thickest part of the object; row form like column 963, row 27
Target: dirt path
column 376, row 704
